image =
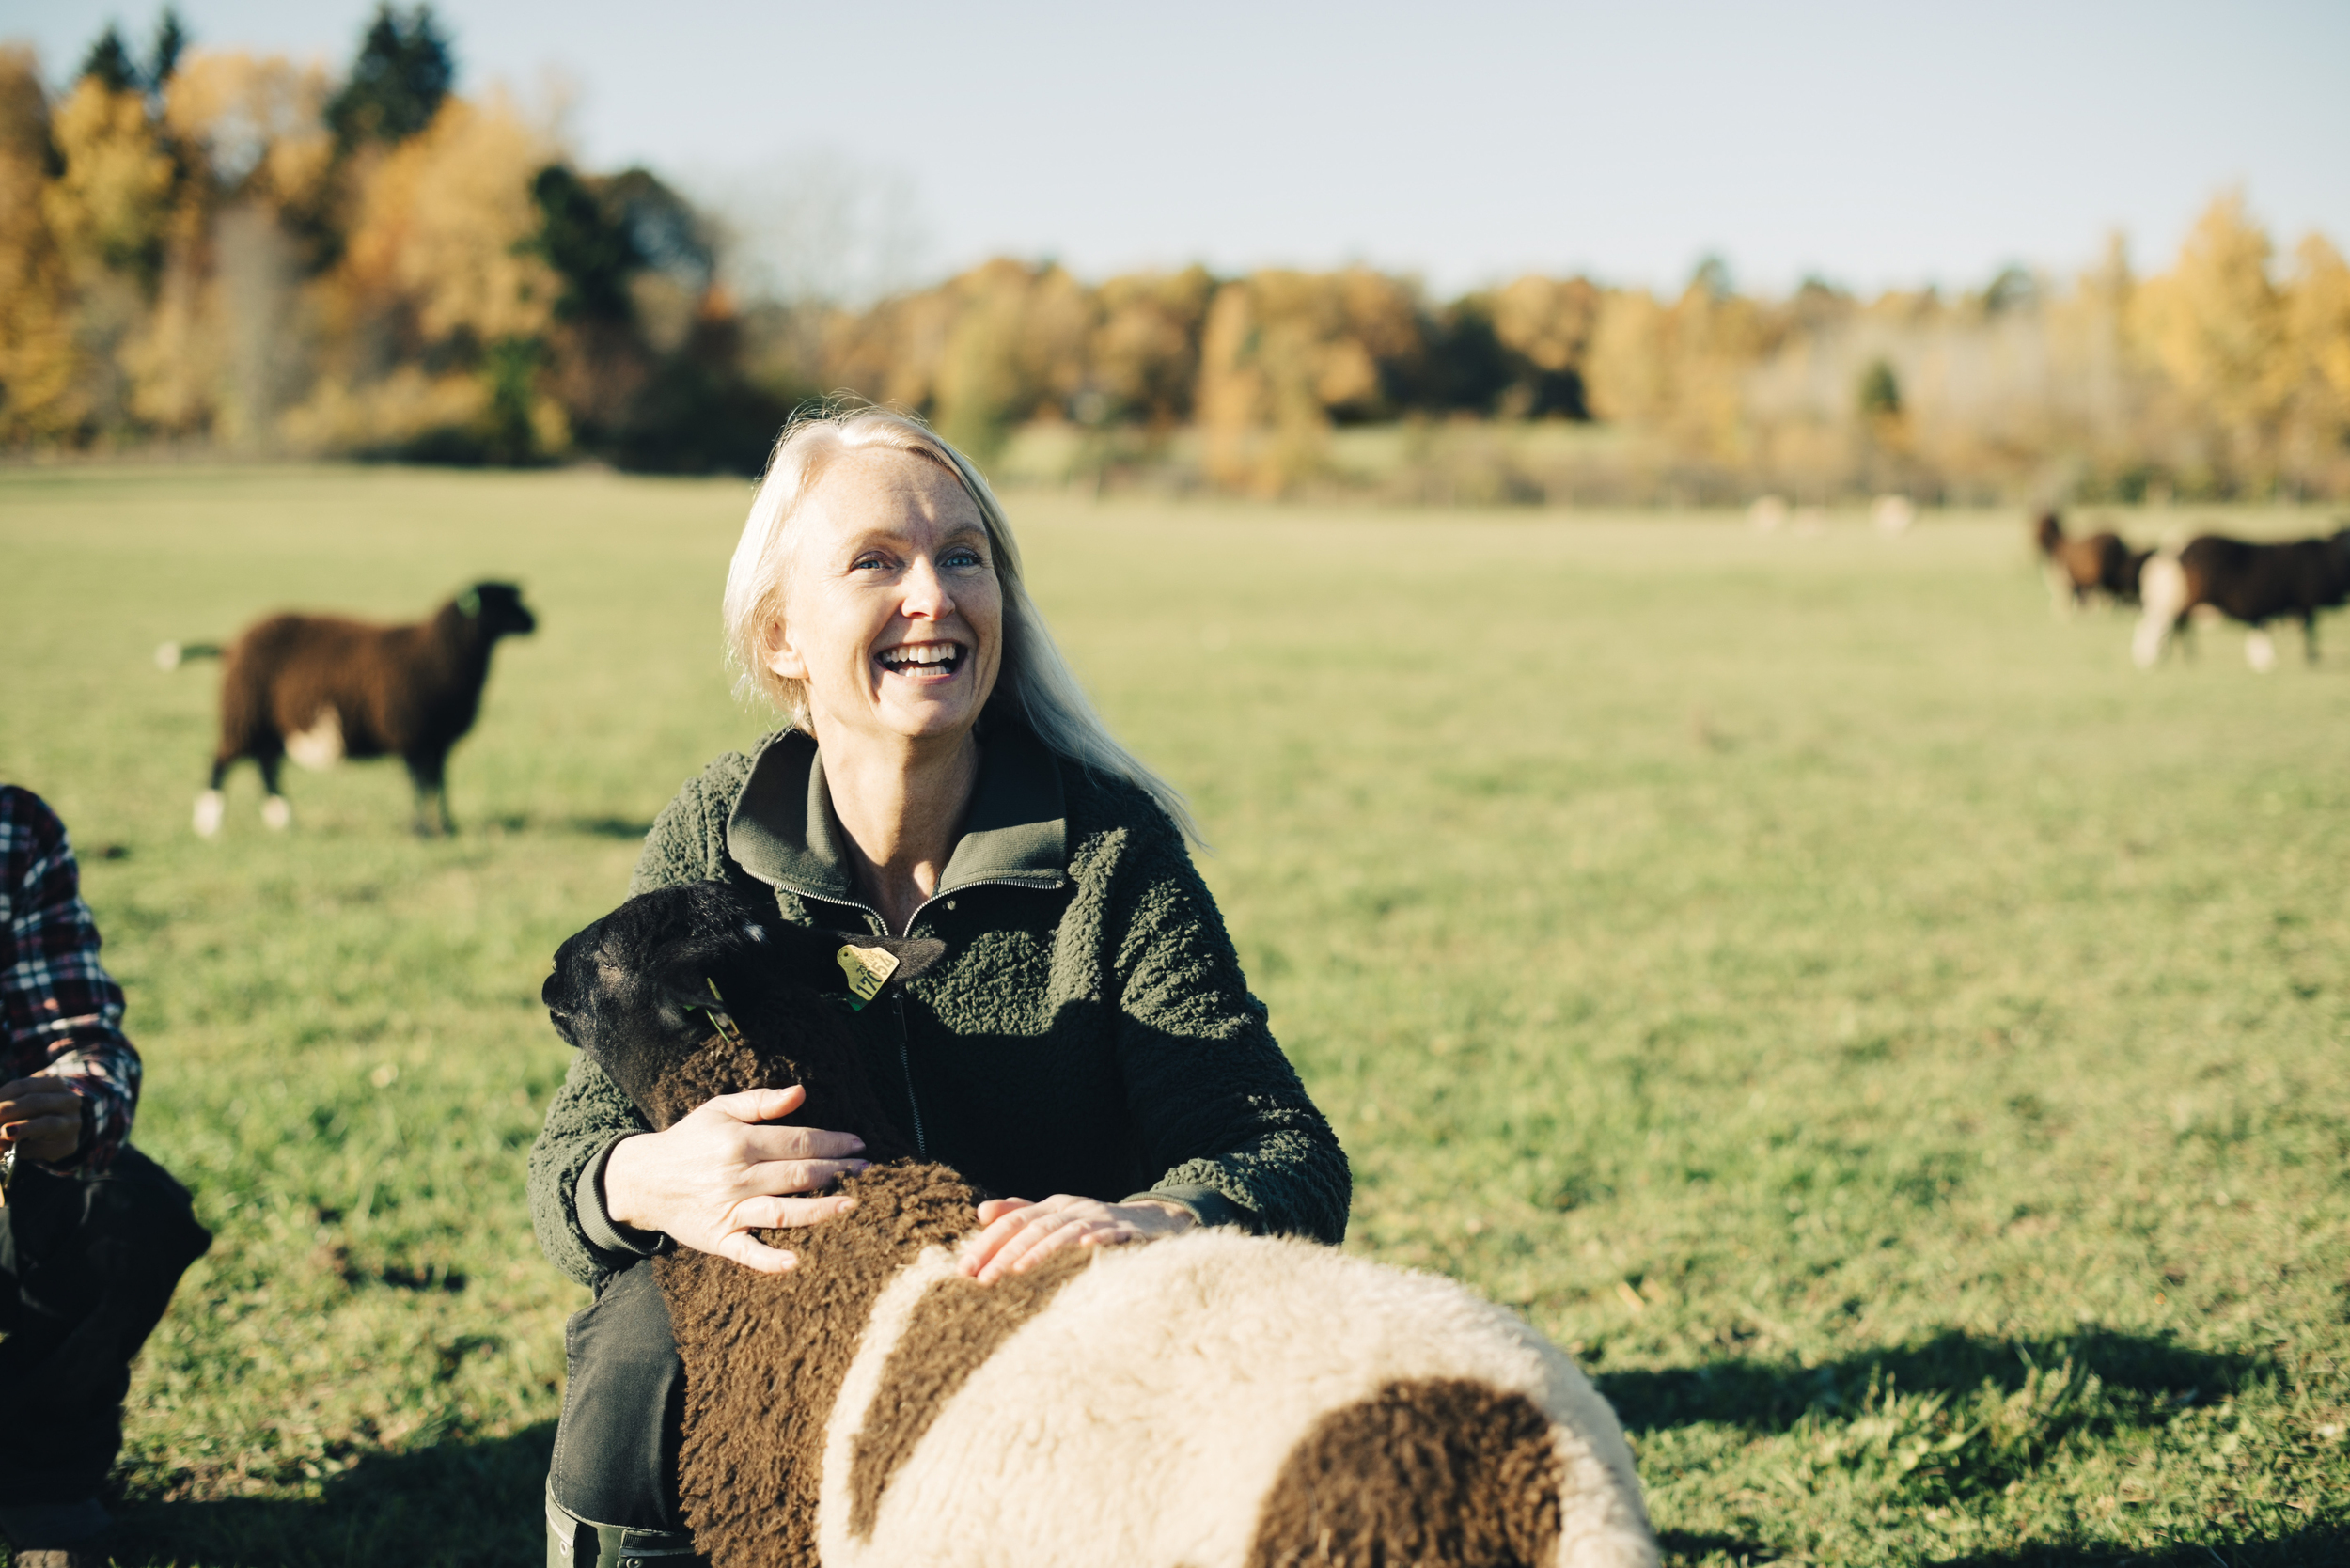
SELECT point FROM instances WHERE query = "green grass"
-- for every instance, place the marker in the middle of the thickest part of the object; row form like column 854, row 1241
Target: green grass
column 1896, row 1046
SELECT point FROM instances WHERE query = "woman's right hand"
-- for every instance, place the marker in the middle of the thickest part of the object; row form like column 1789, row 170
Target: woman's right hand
column 712, row 1179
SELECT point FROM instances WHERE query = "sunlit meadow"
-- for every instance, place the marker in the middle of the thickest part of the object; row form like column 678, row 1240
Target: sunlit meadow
column 1897, row 1045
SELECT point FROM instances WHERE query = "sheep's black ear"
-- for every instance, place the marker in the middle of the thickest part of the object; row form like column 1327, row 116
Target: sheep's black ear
column 685, row 1008
column 692, row 982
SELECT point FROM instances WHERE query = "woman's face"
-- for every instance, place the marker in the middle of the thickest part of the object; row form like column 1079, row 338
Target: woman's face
column 892, row 613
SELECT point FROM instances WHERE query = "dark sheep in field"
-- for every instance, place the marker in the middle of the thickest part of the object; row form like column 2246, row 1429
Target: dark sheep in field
column 1216, row 1399
column 320, row 688
column 2101, row 565
column 2253, row 584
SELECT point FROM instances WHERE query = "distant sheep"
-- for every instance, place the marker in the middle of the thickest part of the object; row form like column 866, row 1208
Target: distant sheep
column 1213, row 1399
column 2080, row 570
column 318, row 689
column 2253, row 584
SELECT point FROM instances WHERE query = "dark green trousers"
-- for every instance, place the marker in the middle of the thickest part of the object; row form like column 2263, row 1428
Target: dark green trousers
column 612, row 1488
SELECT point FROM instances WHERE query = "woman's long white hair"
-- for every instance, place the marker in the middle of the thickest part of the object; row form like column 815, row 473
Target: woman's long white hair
column 1034, row 680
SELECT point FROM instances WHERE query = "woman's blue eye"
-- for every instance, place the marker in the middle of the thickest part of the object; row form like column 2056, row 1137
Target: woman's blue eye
column 964, row 558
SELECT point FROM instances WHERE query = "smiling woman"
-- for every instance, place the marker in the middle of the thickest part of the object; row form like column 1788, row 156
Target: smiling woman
column 1089, row 1034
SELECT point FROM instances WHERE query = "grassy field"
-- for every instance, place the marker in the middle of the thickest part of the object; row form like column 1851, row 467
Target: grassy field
column 1898, row 1046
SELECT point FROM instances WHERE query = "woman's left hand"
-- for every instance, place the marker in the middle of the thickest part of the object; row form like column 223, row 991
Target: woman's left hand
column 1020, row 1235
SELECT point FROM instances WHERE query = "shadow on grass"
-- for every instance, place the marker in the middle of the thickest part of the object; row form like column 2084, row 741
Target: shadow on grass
column 610, row 827
column 458, row 1505
column 514, row 822
column 2154, row 1377
column 2300, row 1549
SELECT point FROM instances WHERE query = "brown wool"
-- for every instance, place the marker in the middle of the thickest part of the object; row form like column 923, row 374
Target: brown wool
column 954, row 1328
column 1436, row 1472
column 765, row 1353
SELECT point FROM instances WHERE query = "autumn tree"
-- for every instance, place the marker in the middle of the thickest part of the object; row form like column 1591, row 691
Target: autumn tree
column 1284, row 354
column 397, row 84
column 2217, row 328
column 42, row 399
column 1143, row 362
column 2317, row 335
column 1678, row 370
column 1544, row 327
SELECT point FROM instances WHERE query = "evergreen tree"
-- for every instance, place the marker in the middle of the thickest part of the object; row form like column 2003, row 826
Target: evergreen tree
column 110, row 64
column 403, row 71
column 1880, row 391
column 592, row 250
column 171, row 40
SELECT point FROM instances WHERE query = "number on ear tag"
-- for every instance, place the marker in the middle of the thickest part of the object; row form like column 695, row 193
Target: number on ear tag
column 869, row 969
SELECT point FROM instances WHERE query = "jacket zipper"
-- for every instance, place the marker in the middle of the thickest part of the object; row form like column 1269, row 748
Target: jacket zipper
column 905, row 1065
column 897, row 997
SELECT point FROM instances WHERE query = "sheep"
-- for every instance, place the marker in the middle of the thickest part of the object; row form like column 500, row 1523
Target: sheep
column 2253, row 584
column 319, row 688
column 2080, row 570
column 1211, row 1399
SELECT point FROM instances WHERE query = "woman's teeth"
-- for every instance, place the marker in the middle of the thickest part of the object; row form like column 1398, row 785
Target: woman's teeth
column 922, row 658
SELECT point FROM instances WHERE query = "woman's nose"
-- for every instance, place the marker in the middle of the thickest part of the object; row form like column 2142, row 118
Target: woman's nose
column 926, row 592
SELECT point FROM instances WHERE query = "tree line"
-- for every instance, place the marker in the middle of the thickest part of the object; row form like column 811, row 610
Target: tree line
column 213, row 248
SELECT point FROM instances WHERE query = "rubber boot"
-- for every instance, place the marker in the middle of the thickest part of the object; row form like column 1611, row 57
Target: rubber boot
column 576, row 1543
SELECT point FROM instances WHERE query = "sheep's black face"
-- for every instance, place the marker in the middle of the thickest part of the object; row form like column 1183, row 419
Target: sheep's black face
column 499, row 609
column 635, row 991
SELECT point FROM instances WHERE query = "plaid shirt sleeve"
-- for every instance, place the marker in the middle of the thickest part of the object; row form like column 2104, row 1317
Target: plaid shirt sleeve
column 61, row 1011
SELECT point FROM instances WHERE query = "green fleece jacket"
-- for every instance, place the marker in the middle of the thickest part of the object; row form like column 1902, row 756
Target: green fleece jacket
column 1088, row 1031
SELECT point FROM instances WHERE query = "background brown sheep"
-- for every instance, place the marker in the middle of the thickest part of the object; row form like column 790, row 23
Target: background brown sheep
column 320, row 688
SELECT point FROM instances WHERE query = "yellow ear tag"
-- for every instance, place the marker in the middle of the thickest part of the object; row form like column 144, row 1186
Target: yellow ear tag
column 869, row 969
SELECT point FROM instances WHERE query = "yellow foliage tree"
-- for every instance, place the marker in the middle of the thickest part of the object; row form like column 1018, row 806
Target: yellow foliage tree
column 1145, row 353
column 442, row 224
column 436, row 269
column 1002, row 343
column 1679, row 371
column 1546, row 320
column 2317, row 330
column 256, row 121
column 1284, row 352
column 1014, row 350
column 40, row 399
column 224, row 346
column 2217, row 326
column 110, row 206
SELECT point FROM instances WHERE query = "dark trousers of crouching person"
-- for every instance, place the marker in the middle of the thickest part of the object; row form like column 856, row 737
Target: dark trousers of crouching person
column 612, row 1487
column 88, row 1260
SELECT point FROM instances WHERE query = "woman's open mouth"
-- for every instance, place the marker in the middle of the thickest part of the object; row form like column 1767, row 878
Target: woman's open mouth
column 923, row 661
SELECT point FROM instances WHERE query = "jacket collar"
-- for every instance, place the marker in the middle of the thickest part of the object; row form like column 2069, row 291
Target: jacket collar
column 784, row 831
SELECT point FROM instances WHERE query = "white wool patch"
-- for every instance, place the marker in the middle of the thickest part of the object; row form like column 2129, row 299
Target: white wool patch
column 1143, row 1415
column 210, row 806
column 276, row 814
column 2162, row 589
column 883, row 1328
column 321, row 746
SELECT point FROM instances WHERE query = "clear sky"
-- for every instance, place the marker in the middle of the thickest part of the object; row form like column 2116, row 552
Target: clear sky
column 1876, row 144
